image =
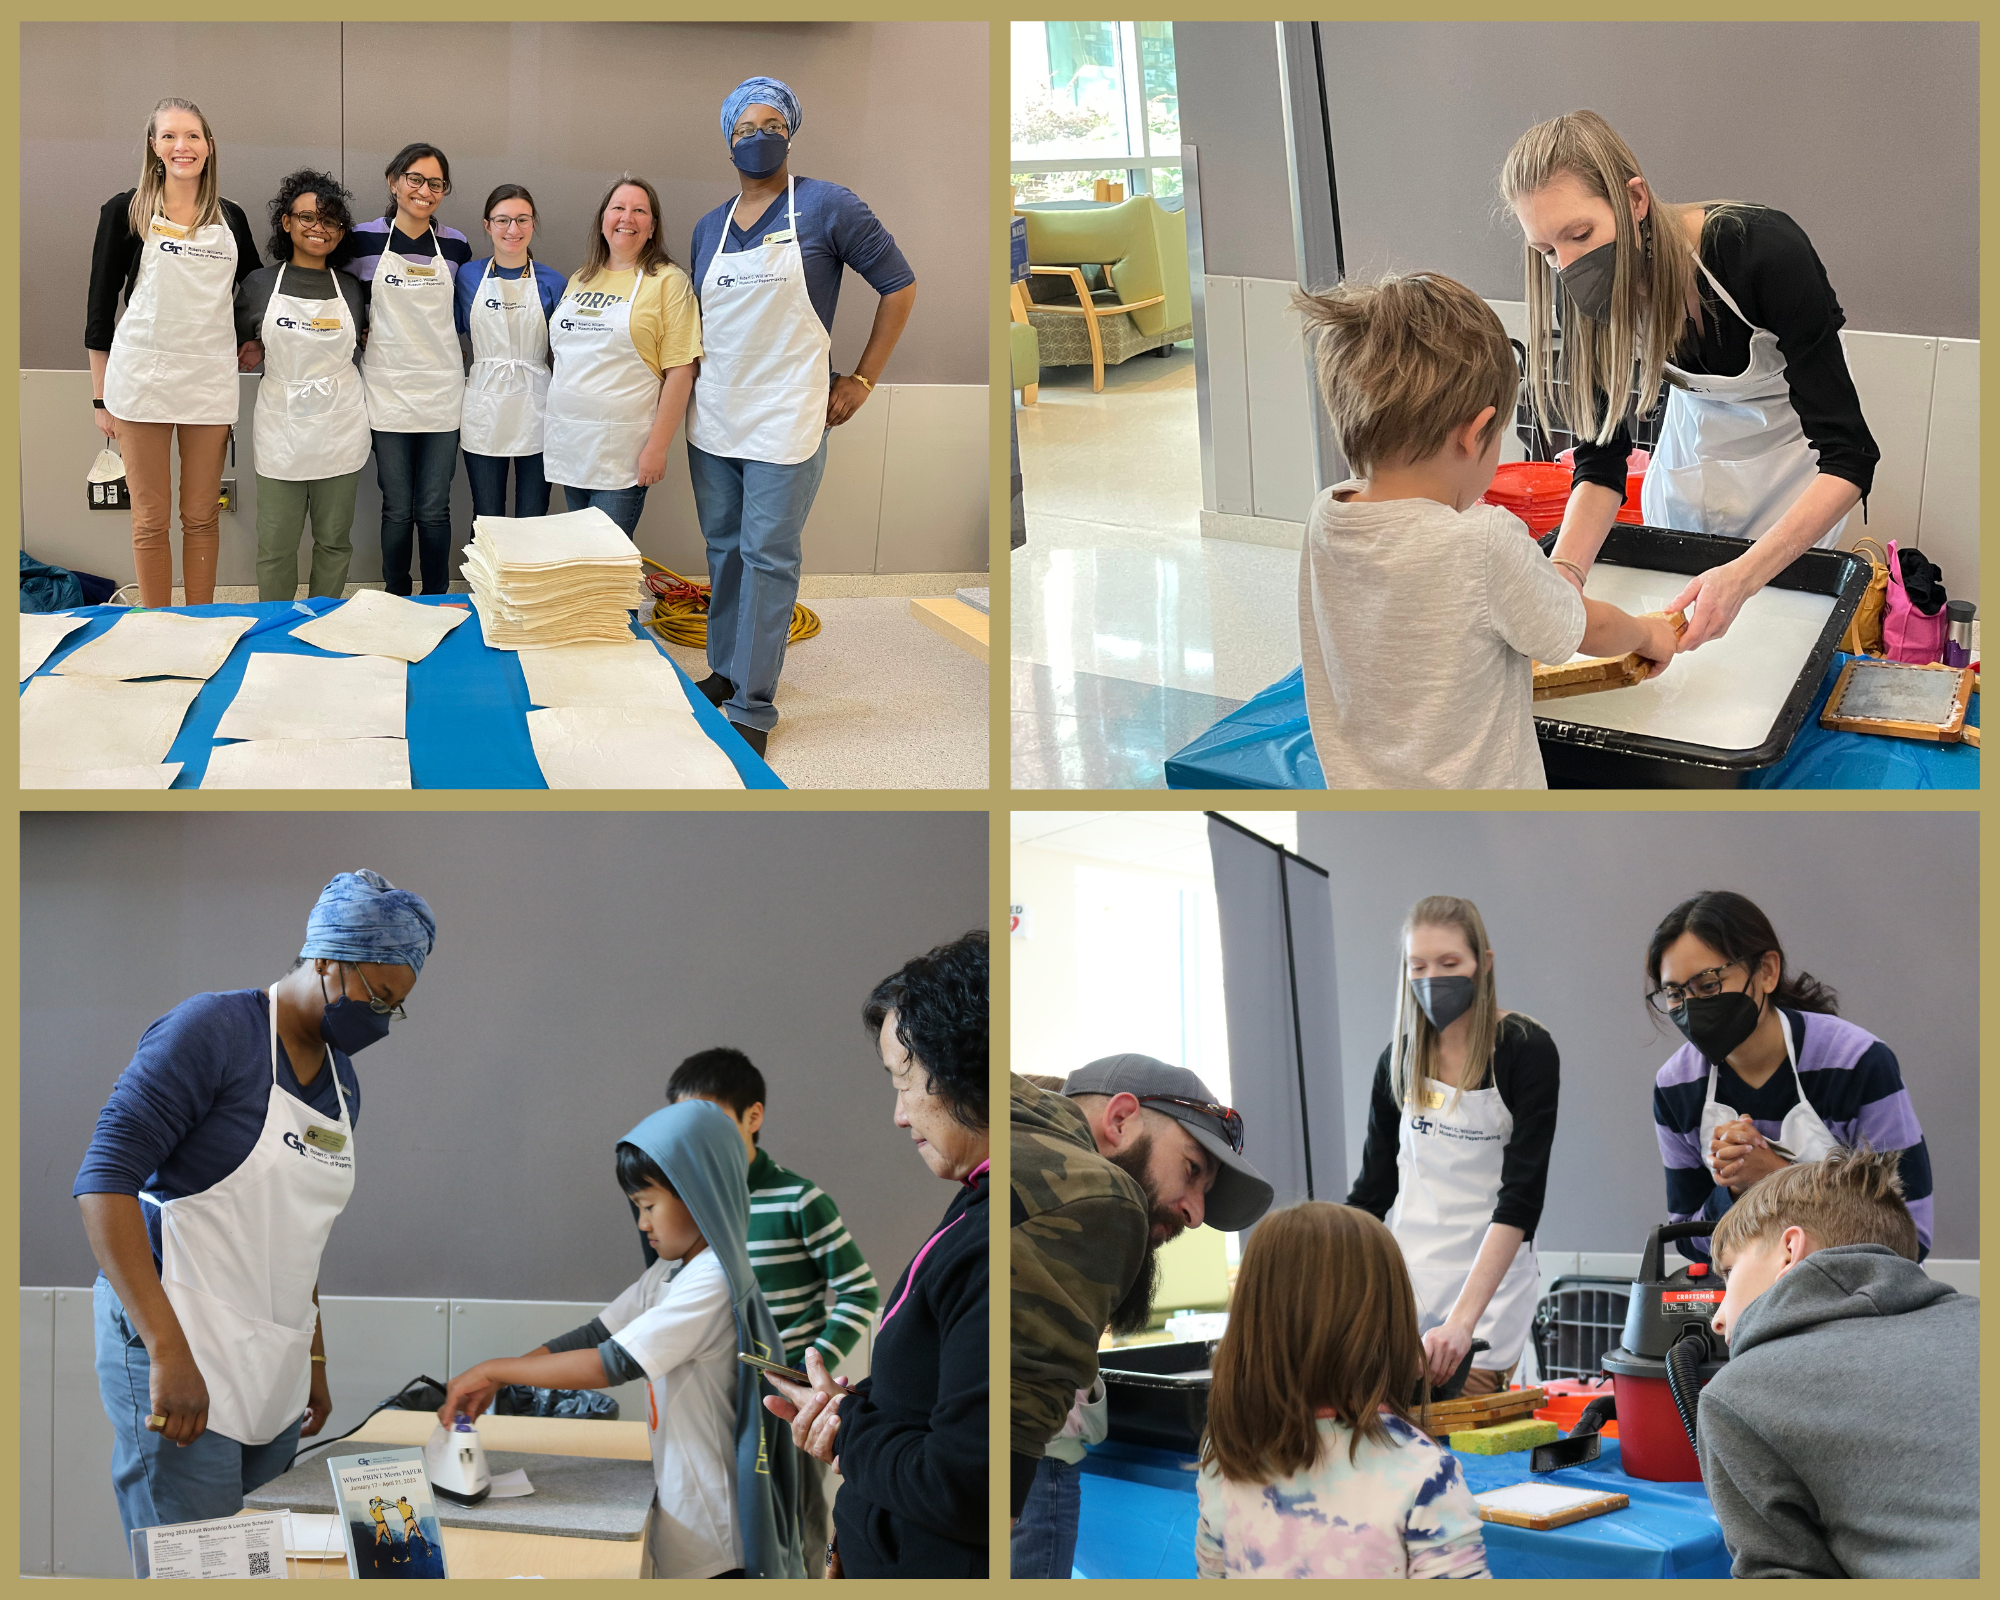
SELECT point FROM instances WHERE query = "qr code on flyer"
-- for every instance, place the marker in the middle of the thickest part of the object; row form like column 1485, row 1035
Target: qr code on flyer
column 260, row 1563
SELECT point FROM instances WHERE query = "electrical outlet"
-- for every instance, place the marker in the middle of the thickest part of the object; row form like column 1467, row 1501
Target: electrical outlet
column 227, row 499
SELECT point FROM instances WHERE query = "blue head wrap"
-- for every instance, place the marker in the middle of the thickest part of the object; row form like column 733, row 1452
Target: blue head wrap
column 760, row 92
column 362, row 916
column 698, row 1147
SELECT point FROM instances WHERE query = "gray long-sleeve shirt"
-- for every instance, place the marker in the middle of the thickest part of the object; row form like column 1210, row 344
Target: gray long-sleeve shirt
column 253, row 298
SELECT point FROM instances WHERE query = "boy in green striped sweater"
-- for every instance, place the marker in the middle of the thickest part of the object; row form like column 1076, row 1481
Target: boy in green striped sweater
column 799, row 1246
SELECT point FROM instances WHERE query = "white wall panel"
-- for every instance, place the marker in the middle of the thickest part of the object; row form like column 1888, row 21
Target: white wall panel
column 1228, row 397
column 376, row 1345
column 37, row 1419
column 1893, row 374
column 1281, row 461
column 87, row 1537
column 934, row 464
column 1949, row 530
column 484, row 1329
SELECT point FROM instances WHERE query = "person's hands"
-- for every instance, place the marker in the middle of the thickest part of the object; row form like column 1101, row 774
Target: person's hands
column 250, row 355
column 319, row 1403
column 1742, row 1155
column 1659, row 644
column 1445, row 1347
column 652, row 465
column 107, row 424
column 470, row 1392
column 1715, row 596
column 846, row 397
column 180, row 1394
column 814, row 1413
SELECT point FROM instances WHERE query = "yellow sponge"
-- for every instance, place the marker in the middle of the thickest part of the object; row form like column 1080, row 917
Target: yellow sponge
column 1505, row 1436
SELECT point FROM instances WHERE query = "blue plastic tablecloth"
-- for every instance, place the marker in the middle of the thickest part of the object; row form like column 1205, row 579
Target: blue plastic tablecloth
column 468, row 704
column 1265, row 743
column 1139, row 1515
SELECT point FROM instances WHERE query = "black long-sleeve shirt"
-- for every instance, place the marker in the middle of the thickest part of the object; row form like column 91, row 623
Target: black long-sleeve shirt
column 114, row 264
column 1768, row 265
column 912, row 1442
column 1527, row 1072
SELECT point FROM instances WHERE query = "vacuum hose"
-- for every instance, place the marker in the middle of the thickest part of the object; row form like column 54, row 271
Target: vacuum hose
column 1684, row 1360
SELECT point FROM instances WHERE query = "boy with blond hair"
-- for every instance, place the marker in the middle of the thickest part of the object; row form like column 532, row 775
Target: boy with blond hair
column 1842, row 1438
column 1422, row 611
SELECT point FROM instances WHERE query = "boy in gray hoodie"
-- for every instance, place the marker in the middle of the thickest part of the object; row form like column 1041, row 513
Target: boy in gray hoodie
column 1841, row 1440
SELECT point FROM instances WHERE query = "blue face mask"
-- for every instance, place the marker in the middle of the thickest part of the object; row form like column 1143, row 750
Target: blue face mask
column 350, row 1025
column 761, row 154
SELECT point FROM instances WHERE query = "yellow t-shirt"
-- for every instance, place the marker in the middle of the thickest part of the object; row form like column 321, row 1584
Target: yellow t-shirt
column 666, row 316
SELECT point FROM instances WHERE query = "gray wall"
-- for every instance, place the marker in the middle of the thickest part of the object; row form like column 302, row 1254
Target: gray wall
column 1227, row 73
column 560, row 106
column 580, row 956
column 1882, row 907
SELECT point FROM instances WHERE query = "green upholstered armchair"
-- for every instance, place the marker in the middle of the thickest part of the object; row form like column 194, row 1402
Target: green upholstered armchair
column 1024, row 346
column 1108, row 282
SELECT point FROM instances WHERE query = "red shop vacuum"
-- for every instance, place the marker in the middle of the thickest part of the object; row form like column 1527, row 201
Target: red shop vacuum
column 1669, row 1353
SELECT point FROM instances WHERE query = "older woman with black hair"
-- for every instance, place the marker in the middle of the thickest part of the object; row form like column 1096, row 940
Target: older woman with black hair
column 307, row 321
column 909, row 1440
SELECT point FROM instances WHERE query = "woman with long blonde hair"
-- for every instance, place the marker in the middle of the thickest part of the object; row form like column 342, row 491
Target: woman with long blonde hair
column 177, row 251
column 1456, row 1160
column 1728, row 303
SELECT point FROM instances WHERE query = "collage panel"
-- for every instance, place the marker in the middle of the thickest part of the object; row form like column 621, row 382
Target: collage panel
column 1387, row 1204
column 540, row 429
column 659, row 1248
column 1311, row 322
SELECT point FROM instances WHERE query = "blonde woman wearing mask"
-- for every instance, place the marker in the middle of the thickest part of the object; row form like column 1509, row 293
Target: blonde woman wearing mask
column 177, row 251
column 1763, row 438
column 1456, row 1160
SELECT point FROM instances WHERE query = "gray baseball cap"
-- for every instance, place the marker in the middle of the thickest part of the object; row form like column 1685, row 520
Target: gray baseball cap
column 1241, row 1193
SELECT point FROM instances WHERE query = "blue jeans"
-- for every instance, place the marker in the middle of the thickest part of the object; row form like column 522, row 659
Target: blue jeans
column 415, row 472
column 1044, row 1539
column 159, row 1483
column 753, row 518
column 488, row 477
column 622, row 506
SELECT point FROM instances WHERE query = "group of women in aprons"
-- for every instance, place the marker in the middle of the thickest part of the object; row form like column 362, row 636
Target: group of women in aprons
column 1462, row 1115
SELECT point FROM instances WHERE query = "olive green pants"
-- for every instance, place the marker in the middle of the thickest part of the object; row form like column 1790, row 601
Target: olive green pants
column 282, row 509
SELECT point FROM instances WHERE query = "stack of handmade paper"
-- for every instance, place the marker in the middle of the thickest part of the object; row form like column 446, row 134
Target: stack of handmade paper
column 541, row 582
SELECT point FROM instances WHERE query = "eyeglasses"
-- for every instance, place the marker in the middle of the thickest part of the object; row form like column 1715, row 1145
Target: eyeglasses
column 1232, row 1122
column 744, row 130
column 377, row 1004
column 510, row 224
column 1670, row 997
column 311, row 221
column 416, row 180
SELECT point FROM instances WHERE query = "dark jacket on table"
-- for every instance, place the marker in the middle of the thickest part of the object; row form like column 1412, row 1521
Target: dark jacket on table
column 912, row 1440
column 114, row 263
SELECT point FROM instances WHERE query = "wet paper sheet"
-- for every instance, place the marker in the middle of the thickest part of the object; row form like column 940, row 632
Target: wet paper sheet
column 375, row 623
column 81, row 724
column 41, row 632
column 309, row 764
column 633, row 674
column 160, row 777
column 627, row 747
column 307, row 697
column 158, row 644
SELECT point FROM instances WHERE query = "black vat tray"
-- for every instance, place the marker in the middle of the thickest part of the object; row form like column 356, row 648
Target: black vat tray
column 1576, row 755
column 1157, row 1394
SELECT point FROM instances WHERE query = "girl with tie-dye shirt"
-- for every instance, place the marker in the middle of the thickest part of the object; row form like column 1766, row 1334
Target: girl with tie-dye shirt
column 1322, row 1330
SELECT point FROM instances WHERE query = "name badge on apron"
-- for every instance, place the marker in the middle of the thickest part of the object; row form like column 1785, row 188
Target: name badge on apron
column 169, row 229
column 326, row 1139
column 782, row 236
column 1433, row 1099
column 420, row 272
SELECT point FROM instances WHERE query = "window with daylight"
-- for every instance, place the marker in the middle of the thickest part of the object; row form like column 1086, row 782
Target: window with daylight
column 1094, row 100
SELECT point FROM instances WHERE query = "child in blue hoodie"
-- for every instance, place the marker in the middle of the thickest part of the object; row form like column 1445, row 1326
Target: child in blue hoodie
column 726, row 1471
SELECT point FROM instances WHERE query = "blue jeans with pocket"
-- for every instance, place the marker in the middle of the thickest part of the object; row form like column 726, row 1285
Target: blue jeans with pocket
column 158, row 1483
column 753, row 519
column 622, row 506
column 415, row 471
column 488, row 477
column 1043, row 1544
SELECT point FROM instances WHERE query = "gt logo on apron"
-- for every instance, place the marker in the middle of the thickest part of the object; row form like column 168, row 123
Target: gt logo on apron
column 412, row 371
column 506, row 393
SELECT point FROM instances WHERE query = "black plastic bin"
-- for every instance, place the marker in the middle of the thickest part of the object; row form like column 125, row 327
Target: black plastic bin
column 1579, row 1319
column 1576, row 755
column 1157, row 1394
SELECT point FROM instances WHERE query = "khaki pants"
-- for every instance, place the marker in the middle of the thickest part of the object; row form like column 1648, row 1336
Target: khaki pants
column 146, row 448
column 282, row 507
column 1480, row 1381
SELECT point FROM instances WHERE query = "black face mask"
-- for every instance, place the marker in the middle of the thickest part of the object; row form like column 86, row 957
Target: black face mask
column 1444, row 1000
column 1588, row 281
column 1718, row 1024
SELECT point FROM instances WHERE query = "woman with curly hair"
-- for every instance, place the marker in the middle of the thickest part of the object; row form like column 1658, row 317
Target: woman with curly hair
column 909, row 1440
column 311, row 431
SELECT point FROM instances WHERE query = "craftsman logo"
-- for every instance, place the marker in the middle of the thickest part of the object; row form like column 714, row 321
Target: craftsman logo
column 1681, row 1296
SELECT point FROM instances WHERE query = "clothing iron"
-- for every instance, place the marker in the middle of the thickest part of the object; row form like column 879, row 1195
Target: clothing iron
column 455, row 1462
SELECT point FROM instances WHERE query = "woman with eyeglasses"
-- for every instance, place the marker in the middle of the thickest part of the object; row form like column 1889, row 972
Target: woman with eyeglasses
column 176, row 250
column 311, row 433
column 504, row 307
column 1456, row 1160
column 414, row 371
column 1770, row 1074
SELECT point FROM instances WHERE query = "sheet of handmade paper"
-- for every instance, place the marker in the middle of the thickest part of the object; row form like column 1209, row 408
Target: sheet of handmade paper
column 93, row 723
column 309, row 764
column 373, row 622
column 312, row 697
column 587, row 535
column 41, row 632
column 157, row 644
column 1727, row 694
column 632, row 674
column 159, row 777
column 627, row 747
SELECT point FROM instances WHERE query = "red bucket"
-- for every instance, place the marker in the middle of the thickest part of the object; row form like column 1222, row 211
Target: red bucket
column 1652, row 1443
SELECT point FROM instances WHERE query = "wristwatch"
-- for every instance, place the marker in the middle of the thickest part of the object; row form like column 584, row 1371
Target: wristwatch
column 97, row 405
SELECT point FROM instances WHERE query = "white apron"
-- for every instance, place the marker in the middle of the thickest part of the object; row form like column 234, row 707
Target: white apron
column 173, row 357
column 508, row 387
column 240, row 1259
column 602, row 397
column 1447, row 1179
column 312, row 417
column 412, row 369
column 1802, row 1132
column 761, row 392
column 1732, row 456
